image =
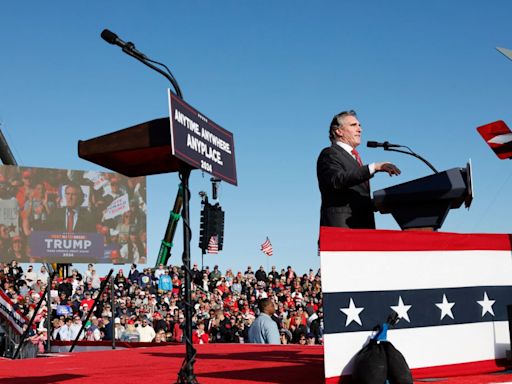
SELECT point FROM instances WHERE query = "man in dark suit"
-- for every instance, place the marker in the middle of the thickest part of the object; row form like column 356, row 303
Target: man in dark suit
column 343, row 179
column 72, row 217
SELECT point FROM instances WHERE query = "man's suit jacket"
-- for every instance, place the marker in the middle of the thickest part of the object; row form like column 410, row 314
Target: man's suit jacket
column 345, row 191
column 57, row 221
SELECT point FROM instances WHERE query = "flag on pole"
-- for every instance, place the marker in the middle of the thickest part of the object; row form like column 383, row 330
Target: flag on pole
column 213, row 245
column 266, row 247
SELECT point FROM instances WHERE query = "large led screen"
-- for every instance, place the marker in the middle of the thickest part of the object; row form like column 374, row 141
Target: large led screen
column 70, row 216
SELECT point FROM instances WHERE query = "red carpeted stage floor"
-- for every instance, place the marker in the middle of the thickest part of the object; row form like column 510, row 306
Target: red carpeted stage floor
column 216, row 363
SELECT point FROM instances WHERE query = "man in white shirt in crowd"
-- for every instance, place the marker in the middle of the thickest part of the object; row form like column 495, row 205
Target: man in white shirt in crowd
column 75, row 328
column 65, row 330
column 159, row 271
column 146, row 331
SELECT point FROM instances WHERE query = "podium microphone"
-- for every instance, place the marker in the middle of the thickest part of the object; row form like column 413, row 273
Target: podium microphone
column 385, row 145
column 128, row 47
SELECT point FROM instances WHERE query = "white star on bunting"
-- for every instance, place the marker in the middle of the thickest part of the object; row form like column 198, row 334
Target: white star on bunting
column 445, row 307
column 352, row 313
column 486, row 305
column 401, row 309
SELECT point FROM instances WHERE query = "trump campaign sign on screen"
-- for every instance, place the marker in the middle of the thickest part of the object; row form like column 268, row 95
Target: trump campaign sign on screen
column 449, row 290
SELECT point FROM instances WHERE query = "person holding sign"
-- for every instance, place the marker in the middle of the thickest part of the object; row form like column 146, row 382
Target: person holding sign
column 344, row 180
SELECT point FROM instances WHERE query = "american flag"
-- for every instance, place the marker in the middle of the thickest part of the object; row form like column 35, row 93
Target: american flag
column 499, row 137
column 213, row 245
column 266, row 247
column 450, row 291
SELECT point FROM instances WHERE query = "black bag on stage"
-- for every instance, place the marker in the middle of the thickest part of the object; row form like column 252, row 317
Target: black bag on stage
column 370, row 364
column 378, row 361
column 398, row 370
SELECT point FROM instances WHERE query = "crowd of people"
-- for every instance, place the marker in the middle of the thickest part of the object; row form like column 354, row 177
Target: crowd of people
column 147, row 305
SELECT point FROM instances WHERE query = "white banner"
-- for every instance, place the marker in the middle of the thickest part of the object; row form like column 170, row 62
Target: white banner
column 97, row 178
column 117, row 207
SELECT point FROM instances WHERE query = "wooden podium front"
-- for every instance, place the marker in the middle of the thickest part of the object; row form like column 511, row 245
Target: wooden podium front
column 450, row 290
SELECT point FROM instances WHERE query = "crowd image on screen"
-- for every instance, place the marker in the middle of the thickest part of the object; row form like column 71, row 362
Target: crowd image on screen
column 38, row 199
column 148, row 304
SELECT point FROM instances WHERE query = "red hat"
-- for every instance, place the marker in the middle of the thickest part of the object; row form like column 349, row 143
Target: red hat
column 130, row 322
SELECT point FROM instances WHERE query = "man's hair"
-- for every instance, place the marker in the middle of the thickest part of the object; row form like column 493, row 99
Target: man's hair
column 337, row 121
column 264, row 303
column 78, row 188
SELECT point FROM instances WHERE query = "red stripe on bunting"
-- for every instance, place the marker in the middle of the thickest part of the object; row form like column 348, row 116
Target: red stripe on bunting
column 343, row 239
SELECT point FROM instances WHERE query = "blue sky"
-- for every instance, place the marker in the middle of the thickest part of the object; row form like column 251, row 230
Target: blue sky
column 423, row 74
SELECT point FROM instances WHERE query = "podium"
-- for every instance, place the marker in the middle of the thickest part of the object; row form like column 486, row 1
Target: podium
column 425, row 202
column 140, row 150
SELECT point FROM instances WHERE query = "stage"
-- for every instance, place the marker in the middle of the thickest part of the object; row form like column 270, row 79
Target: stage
column 216, row 363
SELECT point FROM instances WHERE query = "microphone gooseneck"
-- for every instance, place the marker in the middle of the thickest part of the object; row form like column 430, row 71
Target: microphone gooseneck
column 388, row 147
column 129, row 48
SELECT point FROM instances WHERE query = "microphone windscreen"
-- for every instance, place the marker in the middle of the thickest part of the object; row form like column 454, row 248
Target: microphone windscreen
column 109, row 36
column 372, row 144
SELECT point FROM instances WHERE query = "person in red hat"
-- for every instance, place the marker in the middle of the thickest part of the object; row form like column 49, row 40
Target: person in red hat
column 130, row 334
column 158, row 322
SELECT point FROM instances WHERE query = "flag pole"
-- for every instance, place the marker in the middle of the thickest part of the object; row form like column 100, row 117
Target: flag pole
column 266, row 248
column 267, row 257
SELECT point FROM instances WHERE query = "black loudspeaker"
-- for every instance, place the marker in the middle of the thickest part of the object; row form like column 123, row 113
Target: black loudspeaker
column 212, row 224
